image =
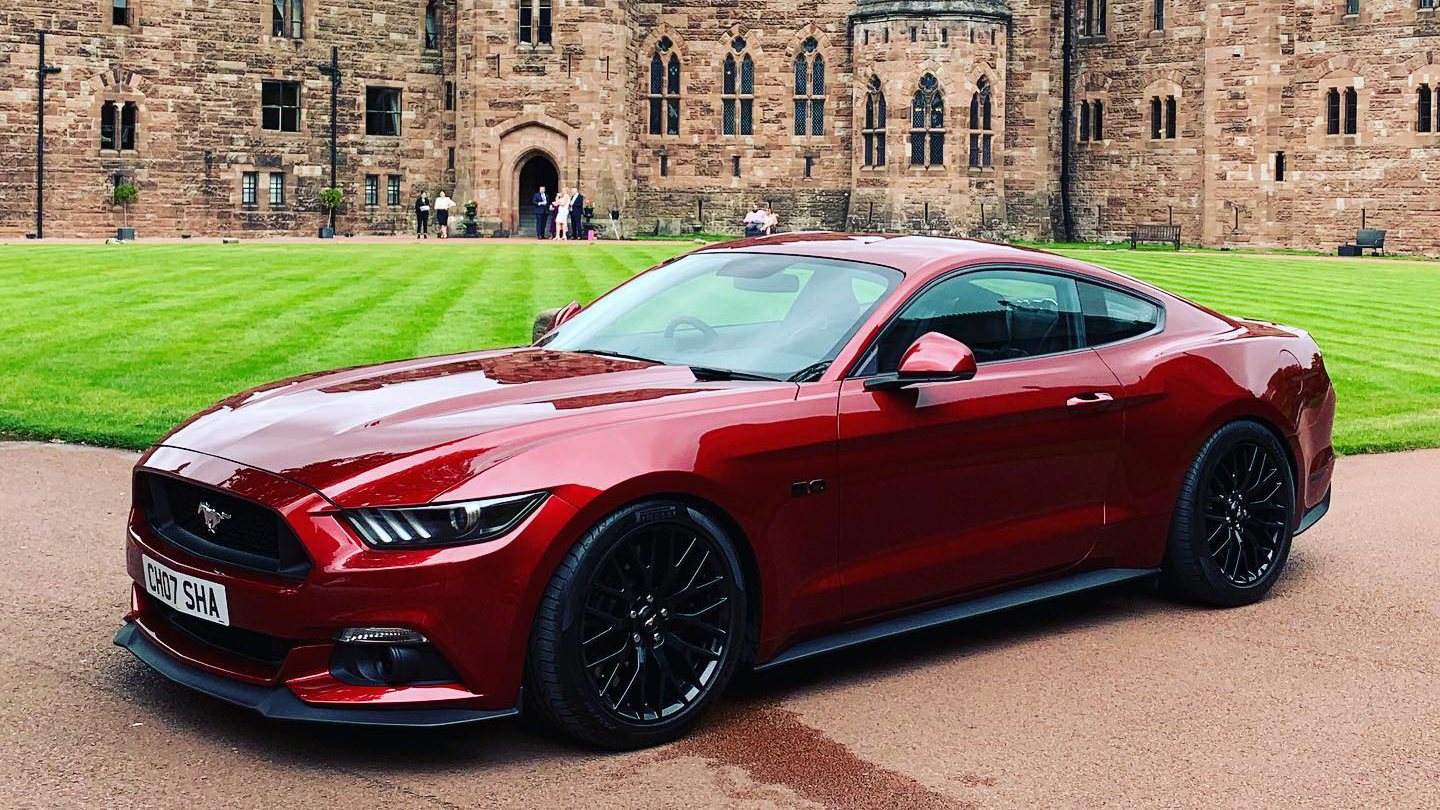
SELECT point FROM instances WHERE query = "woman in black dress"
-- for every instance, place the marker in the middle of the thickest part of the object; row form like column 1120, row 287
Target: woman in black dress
column 422, row 216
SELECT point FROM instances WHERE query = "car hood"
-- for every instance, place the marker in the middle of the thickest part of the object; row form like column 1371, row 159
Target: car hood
column 344, row 432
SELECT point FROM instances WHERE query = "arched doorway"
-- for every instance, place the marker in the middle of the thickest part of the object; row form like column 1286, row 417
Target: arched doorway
column 536, row 170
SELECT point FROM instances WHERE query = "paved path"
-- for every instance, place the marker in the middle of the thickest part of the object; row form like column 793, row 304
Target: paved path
column 1326, row 694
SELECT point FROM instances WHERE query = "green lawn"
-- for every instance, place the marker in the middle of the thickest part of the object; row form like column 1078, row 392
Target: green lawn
column 113, row 345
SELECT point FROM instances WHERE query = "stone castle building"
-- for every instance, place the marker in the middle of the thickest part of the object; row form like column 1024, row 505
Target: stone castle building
column 1262, row 122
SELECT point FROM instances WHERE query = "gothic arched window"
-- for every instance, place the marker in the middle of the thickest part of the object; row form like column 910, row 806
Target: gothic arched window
column 927, row 124
column 874, row 129
column 980, row 124
column 738, row 92
column 809, row 89
column 664, row 95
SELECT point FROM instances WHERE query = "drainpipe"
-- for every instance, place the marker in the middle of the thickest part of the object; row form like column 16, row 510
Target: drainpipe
column 1067, row 56
column 41, row 71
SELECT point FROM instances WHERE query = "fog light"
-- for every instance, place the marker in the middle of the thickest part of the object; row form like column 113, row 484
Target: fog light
column 373, row 664
column 379, row 635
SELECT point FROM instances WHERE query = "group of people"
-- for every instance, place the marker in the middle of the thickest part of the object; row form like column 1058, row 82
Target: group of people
column 442, row 206
column 560, row 217
column 761, row 221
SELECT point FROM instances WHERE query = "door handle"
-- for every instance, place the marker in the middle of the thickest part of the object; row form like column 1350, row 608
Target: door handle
column 1090, row 400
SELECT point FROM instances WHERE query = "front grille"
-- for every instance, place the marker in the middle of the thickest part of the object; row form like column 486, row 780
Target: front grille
column 247, row 533
column 261, row 647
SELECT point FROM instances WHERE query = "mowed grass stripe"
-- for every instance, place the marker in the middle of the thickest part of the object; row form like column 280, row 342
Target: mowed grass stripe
column 114, row 345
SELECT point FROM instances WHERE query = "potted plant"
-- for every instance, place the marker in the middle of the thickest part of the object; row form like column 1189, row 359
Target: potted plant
column 330, row 199
column 472, row 230
column 122, row 195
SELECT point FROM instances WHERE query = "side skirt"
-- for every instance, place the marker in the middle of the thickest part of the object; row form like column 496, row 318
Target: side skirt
column 1029, row 594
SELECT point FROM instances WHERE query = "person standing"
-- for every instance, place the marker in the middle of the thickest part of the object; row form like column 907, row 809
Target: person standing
column 422, row 216
column 443, row 204
column 542, row 208
column 562, row 214
column 577, row 213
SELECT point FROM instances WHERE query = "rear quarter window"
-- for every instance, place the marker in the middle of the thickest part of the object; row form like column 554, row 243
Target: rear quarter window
column 1111, row 315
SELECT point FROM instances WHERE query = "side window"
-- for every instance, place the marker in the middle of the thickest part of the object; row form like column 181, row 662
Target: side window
column 1111, row 315
column 999, row 314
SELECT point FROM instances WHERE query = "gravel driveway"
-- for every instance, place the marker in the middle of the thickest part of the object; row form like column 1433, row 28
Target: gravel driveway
column 1325, row 694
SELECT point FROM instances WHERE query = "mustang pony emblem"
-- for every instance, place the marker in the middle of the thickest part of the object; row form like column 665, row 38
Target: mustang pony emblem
column 211, row 516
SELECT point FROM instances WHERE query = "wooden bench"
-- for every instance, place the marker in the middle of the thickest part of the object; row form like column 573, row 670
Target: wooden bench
column 1155, row 233
column 1371, row 238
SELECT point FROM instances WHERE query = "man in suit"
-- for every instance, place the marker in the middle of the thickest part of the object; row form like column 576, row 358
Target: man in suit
column 577, row 214
column 542, row 207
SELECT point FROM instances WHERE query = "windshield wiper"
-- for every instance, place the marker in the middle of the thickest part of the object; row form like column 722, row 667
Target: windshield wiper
column 608, row 353
column 811, row 372
column 705, row 373
column 700, row 372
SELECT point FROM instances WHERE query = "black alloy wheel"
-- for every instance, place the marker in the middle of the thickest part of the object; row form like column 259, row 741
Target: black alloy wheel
column 642, row 626
column 656, row 617
column 1245, row 512
column 1234, row 518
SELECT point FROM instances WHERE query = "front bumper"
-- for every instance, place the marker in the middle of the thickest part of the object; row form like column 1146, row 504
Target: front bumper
column 473, row 603
column 279, row 703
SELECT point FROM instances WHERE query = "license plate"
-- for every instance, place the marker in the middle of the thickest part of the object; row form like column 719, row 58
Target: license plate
column 197, row 597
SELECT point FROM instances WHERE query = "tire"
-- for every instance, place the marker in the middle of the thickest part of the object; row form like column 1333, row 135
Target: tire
column 1234, row 519
column 591, row 674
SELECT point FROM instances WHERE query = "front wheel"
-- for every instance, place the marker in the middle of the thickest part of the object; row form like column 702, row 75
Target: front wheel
column 1234, row 519
column 640, row 628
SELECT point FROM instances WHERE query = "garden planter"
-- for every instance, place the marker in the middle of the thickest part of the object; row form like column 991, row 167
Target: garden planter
column 125, row 234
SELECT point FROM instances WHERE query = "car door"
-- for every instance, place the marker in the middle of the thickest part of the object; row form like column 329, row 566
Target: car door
column 955, row 486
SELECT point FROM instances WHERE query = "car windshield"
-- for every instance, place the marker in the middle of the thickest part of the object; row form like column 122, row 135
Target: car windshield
column 737, row 314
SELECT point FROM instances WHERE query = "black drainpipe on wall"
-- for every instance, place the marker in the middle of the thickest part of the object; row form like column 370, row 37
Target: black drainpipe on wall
column 1067, row 56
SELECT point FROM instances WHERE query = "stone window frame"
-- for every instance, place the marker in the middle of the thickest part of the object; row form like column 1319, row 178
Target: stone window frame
column 250, row 187
column 734, row 98
column 394, row 190
column 664, row 89
column 1343, row 83
column 120, row 87
column 874, row 127
column 1171, row 97
column 370, row 190
column 1427, row 76
column 542, row 21
column 980, row 125
column 236, row 174
column 1092, row 119
column 1426, row 6
column 1094, row 20
column 117, row 108
column 107, row 17
column 307, row 21
column 929, row 100
column 271, row 204
column 432, row 27
column 365, row 109
column 259, row 128
column 810, row 90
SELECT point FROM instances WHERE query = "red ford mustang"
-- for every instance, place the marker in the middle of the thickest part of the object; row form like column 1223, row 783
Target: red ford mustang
column 759, row 452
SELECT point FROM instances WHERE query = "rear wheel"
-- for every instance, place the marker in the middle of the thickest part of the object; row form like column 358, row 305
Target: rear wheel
column 640, row 628
column 1230, row 536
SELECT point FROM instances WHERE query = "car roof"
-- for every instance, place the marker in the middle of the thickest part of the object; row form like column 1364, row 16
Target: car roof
column 918, row 257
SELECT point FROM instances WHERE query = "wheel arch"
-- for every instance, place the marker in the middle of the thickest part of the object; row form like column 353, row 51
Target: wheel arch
column 686, row 489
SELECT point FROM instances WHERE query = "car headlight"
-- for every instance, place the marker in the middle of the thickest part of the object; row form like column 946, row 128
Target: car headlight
column 441, row 524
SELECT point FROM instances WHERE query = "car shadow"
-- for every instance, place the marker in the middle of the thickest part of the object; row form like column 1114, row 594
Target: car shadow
column 522, row 741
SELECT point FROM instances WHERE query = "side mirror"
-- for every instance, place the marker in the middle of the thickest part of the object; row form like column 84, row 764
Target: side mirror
column 933, row 357
column 548, row 319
